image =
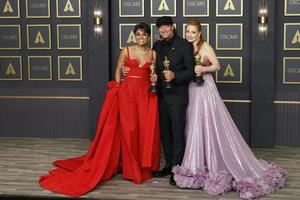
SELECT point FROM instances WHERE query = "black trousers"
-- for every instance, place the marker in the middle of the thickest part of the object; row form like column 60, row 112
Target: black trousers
column 172, row 125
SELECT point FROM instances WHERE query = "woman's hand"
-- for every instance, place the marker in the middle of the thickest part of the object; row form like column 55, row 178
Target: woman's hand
column 199, row 70
column 125, row 70
column 153, row 77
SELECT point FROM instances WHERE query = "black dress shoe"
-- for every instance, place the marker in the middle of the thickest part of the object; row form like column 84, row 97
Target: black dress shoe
column 164, row 172
column 172, row 180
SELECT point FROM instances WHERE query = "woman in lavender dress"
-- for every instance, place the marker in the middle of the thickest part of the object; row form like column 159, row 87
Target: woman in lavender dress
column 217, row 159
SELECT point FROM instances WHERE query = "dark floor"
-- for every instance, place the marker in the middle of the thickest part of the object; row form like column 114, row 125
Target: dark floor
column 24, row 160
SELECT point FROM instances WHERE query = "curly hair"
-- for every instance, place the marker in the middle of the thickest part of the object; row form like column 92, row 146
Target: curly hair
column 142, row 26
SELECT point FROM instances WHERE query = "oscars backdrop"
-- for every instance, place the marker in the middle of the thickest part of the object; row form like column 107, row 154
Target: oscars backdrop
column 53, row 71
column 231, row 26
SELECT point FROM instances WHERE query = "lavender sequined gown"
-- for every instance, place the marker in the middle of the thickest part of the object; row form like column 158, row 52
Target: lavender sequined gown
column 216, row 157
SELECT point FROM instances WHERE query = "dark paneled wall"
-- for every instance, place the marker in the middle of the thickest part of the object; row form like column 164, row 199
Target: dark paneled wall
column 265, row 109
column 262, row 80
column 55, row 118
column 287, row 95
column 57, row 108
column 44, row 112
column 99, row 62
column 287, row 124
column 287, row 112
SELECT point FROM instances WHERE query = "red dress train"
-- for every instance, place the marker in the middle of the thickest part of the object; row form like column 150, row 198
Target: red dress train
column 127, row 137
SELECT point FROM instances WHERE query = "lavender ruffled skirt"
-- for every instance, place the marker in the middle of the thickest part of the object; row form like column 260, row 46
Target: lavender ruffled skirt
column 217, row 159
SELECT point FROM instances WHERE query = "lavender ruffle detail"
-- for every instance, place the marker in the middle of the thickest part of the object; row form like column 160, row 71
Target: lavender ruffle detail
column 214, row 184
column 186, row 179
column 271, row 181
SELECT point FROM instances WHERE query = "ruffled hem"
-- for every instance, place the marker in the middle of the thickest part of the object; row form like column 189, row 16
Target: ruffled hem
column 186, row 179
column 214, row 184
column 271, row 181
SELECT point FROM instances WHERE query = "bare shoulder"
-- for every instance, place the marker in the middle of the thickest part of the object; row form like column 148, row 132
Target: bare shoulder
column 123, row 51
column 131, row 47
column 207, row 46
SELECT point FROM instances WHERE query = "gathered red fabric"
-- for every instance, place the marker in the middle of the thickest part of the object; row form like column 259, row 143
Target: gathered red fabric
column 127, row 139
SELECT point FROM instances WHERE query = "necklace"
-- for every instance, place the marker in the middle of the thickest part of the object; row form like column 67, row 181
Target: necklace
column 141, row 52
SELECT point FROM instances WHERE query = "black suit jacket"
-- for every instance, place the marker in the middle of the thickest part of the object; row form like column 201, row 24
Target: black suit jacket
column 182, row 63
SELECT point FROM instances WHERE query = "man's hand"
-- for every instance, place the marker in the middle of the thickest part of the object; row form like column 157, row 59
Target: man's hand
column 125, row 70
column 169, row 75
column 153, row 77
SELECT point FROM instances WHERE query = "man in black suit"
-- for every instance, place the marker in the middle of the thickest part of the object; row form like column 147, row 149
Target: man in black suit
column 172, row 101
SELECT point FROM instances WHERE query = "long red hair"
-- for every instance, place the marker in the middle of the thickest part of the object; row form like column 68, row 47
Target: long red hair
column 197, row 24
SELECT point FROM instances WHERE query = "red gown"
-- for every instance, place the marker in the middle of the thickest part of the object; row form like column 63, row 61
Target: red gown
column 127, row 137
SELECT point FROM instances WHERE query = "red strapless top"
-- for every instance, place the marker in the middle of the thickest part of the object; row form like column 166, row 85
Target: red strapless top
column 135, row 68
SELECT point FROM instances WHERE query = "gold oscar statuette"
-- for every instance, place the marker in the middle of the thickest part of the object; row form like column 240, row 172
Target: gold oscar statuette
column 198, row 79
column 153, row 72
column 166, row 64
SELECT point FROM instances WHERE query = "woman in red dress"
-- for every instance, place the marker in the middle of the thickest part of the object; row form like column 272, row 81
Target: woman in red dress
column 127, row 136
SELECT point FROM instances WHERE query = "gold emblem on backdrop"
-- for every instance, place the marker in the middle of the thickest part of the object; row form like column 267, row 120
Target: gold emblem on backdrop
column 296, row 38
column 126, row 35
column 39, row 36
column 10, row 70
column 8, row 7
column 131, row 38
column 229, row 8
column 231, row 70
column 39, row 39
column 163, row 8
column 291, row 36
column 70, row 69
column 229, row 5
column 69, row 7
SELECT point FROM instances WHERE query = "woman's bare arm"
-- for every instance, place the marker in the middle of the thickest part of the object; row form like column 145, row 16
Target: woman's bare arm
column 121, row 61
